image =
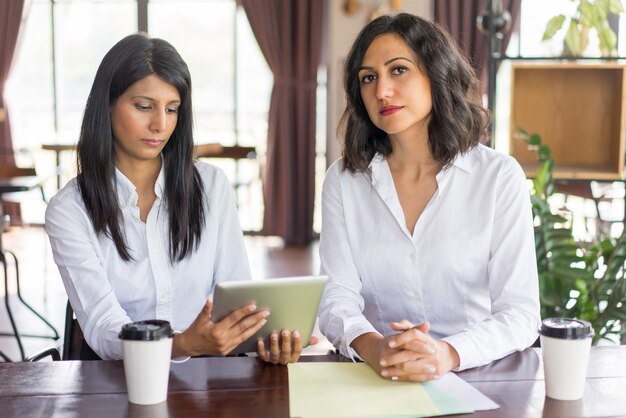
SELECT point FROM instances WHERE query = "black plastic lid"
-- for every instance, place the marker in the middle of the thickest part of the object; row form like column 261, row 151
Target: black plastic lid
column 154, row 329
column 566, row 328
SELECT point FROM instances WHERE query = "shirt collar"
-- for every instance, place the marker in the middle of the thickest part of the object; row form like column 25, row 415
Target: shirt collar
column 127, row 192
column 461, row 161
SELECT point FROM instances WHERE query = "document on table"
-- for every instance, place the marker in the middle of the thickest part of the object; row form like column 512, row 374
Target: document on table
column 354, row 390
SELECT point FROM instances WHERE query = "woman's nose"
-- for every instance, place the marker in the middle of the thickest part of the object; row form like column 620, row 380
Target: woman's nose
column 384, row 88
column 158, row 122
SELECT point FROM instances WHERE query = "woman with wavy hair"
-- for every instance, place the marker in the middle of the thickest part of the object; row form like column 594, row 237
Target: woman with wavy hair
column 144, row 231
column 427, row 235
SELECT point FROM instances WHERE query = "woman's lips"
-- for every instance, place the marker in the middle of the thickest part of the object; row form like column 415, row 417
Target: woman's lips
column 389, row 110
column 152, row 142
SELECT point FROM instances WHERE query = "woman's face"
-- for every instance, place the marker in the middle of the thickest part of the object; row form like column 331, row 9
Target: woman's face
column 143, row 119
column 396, row 93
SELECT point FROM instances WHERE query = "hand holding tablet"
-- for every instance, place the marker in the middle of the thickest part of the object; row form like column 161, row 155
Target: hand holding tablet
column 292, row 302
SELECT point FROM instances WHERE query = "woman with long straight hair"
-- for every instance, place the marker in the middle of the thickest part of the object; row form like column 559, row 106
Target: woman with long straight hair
column 144, row 231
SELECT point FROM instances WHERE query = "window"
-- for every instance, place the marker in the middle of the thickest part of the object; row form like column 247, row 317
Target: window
column 64, row 41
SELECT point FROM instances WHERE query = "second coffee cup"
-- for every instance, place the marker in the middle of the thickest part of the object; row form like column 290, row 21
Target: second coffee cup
column 565, row 345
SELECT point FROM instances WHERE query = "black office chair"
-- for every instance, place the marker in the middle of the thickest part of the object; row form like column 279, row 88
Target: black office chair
column 74, row 345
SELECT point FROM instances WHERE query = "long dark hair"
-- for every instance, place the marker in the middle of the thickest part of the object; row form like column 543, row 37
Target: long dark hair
column 129, row 61
column 458, row 120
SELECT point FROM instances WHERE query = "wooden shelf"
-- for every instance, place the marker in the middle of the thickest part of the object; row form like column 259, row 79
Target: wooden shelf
column 578, row 109
column 575, row 173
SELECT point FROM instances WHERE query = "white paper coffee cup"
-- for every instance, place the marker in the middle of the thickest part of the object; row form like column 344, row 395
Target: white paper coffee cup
column 147, row 349
column 565, row 347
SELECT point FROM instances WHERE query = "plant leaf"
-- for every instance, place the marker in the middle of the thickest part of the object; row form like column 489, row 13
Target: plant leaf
column 553, row 26
column 615, row 6
column 588, row 12
column 607, row 39
column 572, row 38
column 544, row 152
column 534, row 140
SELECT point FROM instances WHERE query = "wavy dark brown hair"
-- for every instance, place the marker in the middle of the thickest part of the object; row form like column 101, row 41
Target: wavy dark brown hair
column 130, row 60
column 458, row 120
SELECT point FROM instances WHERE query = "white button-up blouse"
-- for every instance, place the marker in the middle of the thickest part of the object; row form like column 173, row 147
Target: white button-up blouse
column 106, row 292
column 469, row 267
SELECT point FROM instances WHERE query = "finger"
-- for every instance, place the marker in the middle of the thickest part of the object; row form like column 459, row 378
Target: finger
column 405, row 325
column 232, row 339
column 314, row 340
column 297, row 346
column 402, row 325
column 248, row 322
column 285, row 347
column 274, row 348
column 261, row 351
column 205, row 313
column 238, row 314
column 424, row 327
column 398, row 357
column 413, row 335
column 411, row 370
column 414, row 378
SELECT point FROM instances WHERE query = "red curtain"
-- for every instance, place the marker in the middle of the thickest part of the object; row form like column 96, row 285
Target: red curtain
column 459, row 17
column 11, row 12
column 289, row 33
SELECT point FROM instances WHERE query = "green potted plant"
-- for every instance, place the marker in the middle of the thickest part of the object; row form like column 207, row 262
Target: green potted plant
column 576, row 279
column 590, row 15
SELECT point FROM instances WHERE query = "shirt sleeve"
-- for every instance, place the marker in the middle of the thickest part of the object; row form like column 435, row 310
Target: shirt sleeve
column 513, row 279
column 73, row 241
column 341, row 317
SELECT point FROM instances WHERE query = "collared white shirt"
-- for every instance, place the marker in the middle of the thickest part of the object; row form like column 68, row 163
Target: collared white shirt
column 107, row 292
column 469, row 267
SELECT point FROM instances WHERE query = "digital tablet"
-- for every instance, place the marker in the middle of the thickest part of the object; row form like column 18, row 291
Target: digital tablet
column 291, row 301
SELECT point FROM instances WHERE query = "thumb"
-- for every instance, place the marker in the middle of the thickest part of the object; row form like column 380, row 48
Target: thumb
column 402, row 325
column 424, row 327
column 205, row 314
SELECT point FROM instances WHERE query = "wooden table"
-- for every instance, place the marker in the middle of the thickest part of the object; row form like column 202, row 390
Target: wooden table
column 247, row 387
column 58, row 149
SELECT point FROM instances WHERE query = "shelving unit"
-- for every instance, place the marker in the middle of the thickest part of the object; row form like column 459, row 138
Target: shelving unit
column 578, row 109
column 576, row 104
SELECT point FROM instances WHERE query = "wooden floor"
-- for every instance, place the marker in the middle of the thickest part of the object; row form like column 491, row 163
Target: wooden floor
column 42, row 288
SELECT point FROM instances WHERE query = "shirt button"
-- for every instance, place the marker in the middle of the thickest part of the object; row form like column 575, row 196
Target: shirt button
column 412, row 256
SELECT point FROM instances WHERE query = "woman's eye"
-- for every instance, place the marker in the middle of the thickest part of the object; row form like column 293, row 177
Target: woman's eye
column 142, row 106
column 366, row 79
column 171, row 110
column 399, row 70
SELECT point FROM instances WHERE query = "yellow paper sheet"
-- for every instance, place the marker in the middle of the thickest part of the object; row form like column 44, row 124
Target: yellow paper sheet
column 352, row 390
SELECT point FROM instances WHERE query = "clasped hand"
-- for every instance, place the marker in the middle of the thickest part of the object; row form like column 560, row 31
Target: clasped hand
column 413, row 355
column 204, row 336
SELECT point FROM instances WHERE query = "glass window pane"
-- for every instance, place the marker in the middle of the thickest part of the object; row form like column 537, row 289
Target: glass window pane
column 535, row 15
column 254, row 86
column 207, row 45
column 85, row 31
column 29, row 88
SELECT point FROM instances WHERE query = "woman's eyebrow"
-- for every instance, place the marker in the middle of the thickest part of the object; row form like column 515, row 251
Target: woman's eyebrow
column 152, row 99
column 366, row 67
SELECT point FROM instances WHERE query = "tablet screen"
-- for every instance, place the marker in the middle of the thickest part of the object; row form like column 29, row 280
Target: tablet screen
column 292, row 302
